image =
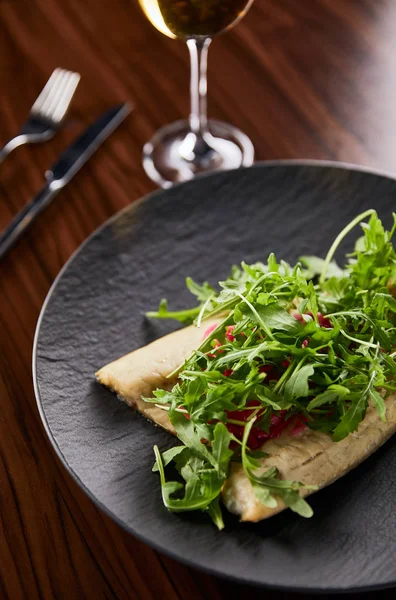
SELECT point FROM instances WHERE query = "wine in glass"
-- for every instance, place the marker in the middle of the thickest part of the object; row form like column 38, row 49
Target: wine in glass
column 181, row 150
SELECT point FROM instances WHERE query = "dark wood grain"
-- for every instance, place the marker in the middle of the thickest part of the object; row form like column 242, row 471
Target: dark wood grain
column 303, row 78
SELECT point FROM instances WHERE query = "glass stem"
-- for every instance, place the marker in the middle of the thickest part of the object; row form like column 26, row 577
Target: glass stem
column 198, row 49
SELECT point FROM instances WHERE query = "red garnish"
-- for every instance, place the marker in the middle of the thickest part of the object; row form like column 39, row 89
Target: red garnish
column 299, row 425
column 323, row 321
column 209, row 331
column 227, row 372
column 299, row 317
column 229, row 329
column 257, row 436
column 217, row 344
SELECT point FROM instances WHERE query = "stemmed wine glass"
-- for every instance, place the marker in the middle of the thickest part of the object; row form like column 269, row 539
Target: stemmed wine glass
column 181, row 150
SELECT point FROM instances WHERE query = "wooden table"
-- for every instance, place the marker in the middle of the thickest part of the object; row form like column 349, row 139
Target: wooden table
column 303, row 78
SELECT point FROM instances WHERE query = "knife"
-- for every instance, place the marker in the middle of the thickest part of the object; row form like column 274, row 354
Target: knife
column 61, row 172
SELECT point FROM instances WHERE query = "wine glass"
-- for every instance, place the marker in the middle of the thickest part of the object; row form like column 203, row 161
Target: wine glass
column 181, row 150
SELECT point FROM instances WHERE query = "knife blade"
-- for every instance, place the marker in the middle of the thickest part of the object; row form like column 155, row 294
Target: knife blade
column 63, row 170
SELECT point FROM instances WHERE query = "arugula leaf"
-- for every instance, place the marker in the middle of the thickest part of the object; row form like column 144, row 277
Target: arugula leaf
column 258, row 454
column 193, row 392
column 354, row 415
column 267, row 396
column 379, row 404
column 297, row 384
column 191, row 434
column 200, row 491
column 214, row 511
column 391, row 364
column 168, row 456
column 164, row 397
column 296, row 503
column 315, row 267
column 202, row 292
column 220, row 448
column 184, row 316
column 264, row 494
column 323, row 424
column 272, row 316
column 331, row 395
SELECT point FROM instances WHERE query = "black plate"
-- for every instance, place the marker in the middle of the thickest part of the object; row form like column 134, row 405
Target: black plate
column 94, row 314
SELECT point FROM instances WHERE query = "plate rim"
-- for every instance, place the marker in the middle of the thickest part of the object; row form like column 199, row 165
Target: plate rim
column 124, row 526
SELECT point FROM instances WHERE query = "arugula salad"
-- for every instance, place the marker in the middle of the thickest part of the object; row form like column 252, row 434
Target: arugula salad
column 296, row 346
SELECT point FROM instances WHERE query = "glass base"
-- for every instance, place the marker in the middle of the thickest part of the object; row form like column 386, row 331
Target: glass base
column 175, row 154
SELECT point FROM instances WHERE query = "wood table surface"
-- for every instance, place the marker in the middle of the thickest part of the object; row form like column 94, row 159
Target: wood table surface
column 303, row 78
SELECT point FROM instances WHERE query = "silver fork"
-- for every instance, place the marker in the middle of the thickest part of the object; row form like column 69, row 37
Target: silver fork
column 47, row 113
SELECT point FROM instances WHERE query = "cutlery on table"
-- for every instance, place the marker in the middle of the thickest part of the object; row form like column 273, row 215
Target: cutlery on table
column 47, row 113
column 62, row 171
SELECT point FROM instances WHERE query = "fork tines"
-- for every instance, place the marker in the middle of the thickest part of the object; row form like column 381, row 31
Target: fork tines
column 55, row 97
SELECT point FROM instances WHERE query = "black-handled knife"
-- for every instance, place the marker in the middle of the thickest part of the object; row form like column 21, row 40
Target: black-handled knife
column 59, row 175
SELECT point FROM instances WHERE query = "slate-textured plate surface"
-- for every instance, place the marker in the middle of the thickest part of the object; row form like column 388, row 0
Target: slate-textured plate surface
column 95, row 313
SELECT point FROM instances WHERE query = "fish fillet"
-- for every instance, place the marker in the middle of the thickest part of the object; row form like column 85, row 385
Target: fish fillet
column 310, row 457
column 140, row 372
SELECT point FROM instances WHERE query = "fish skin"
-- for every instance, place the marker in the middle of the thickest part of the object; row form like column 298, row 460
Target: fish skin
column 310, row 457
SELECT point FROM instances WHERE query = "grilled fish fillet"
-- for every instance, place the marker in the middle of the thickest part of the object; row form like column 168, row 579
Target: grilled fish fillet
column 140, row 372
column 311, row 457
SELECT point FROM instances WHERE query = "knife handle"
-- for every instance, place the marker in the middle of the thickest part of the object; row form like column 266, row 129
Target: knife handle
column 24, row 218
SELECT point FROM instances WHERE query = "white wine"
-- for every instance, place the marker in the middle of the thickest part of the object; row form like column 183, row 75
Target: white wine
column 193, row 18
column 153, row 12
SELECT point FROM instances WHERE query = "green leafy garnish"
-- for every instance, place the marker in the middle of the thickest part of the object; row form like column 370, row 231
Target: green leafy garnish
column 313, row 342
column 184, row 316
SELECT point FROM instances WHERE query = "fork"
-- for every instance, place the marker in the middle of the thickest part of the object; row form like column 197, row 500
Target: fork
column 47, row 113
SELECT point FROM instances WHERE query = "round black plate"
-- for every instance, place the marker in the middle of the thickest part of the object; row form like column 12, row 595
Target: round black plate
column 95, row 313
